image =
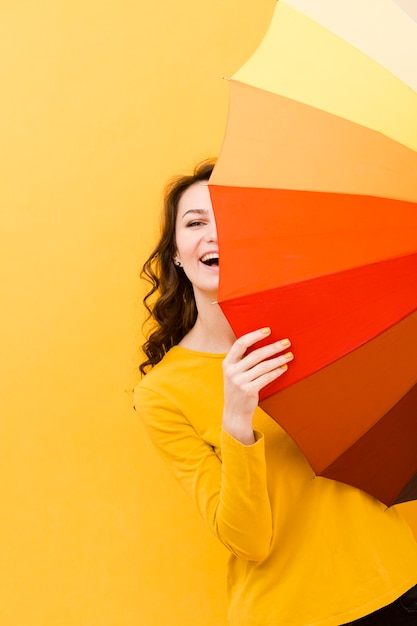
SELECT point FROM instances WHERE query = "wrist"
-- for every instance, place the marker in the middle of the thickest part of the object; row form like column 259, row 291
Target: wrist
column 242, row 432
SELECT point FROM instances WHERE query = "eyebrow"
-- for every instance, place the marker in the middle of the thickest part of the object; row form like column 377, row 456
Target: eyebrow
column 199, row 211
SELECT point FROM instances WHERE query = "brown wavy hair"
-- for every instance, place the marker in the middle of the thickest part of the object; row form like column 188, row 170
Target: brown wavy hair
column 170, row 301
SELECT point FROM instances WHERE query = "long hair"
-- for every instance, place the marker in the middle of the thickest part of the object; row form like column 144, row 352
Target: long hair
column 170, row 301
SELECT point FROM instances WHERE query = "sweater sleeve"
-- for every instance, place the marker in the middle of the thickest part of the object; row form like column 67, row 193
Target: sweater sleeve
column 230, row 493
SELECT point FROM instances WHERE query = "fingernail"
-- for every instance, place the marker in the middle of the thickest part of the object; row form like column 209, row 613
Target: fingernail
column 266, row 330
column 288, row 356
column 285, row 343
column 284, row 367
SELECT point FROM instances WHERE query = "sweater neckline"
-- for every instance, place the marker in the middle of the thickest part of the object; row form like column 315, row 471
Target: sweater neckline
column 207, row 355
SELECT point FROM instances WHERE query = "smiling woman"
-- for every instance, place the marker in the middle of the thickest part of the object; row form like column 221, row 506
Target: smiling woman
column 174, row 309
column 196, row 241
column 249, row 480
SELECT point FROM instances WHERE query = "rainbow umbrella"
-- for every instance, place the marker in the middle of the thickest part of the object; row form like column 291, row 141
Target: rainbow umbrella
column 315, row 197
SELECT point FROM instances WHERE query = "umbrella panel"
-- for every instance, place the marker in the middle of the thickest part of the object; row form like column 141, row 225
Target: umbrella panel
column 409, row 6
column 354, row 21
column 330, row 74
column 277, row 237
column 275, row 142
column 382, row 461
column 329, row 316
column 330, row 411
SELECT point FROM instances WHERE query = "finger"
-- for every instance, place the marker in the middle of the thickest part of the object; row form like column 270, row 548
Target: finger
column 262, row 354
column 247, row 376
column 244, row 342
column 270, row 365
column 251, row 381
column 266, row 378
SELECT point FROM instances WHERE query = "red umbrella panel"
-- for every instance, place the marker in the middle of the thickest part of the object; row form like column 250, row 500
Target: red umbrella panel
column 317, row 225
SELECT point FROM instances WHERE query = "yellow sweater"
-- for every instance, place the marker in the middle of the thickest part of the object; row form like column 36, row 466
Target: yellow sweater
column 305, row 550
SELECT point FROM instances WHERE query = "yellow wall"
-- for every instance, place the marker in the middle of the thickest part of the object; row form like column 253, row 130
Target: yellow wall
column 101, row 102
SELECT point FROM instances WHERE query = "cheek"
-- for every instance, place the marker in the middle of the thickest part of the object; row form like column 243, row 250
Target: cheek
column 185, row 245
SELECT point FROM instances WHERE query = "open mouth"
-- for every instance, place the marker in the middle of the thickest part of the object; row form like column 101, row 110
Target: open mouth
column 210, row 259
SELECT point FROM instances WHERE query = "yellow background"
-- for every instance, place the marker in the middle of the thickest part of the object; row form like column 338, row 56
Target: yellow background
column 100, row 102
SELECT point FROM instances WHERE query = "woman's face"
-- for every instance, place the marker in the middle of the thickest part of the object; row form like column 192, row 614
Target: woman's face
column 196, row 240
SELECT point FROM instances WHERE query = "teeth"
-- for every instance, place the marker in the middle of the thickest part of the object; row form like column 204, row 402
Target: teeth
column 211, row 256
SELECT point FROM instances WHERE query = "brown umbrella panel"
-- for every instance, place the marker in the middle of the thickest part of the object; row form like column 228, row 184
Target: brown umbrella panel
column 356, row 420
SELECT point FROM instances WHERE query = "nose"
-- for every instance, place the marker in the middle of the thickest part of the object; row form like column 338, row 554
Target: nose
column 211, row 232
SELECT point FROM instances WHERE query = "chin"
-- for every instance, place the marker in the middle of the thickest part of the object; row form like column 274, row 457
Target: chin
column 207, row 293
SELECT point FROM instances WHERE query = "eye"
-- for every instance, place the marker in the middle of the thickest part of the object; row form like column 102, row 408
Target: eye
column 194, row 223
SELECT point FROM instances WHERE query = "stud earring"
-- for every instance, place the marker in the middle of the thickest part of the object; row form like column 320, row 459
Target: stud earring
column 178, row 263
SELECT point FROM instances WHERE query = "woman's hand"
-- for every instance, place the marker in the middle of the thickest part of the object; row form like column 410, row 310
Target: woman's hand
column 245, row 375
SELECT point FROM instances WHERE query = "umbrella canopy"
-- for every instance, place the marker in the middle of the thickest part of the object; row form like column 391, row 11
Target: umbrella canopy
column 315, row 197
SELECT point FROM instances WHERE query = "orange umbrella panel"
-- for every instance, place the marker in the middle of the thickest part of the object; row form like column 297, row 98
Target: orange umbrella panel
column 274, row 142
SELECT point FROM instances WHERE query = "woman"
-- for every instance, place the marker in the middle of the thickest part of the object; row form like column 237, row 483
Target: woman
column 303, row 551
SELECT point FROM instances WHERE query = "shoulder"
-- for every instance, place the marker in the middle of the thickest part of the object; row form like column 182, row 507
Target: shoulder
column 180, row 369
column 182, row 383
column 159, row 384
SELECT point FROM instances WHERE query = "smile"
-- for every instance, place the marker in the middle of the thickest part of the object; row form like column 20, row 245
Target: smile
column 210, row 259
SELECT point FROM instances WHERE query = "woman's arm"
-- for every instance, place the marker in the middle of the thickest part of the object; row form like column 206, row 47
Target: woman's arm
column 230, row 489
column 230, row 493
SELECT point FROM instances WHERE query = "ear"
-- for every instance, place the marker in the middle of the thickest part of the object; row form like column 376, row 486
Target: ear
column 176, row 260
